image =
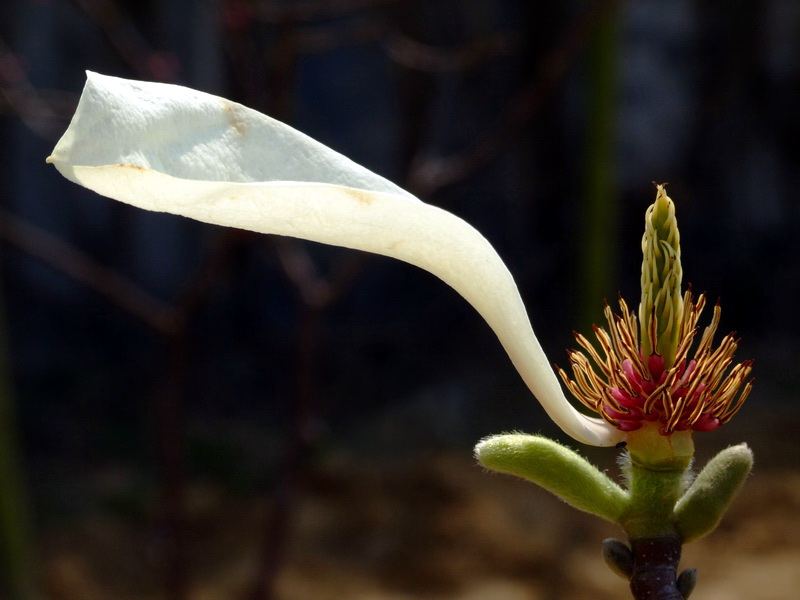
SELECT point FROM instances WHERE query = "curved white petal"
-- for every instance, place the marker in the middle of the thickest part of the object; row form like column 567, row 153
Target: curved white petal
column 168, row 148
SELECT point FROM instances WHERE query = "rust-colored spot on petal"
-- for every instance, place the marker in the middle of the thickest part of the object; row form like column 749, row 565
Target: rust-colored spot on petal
column 233, row 112
column 361, row 196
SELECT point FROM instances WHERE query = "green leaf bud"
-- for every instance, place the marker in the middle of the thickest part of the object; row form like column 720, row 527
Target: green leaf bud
column 703, row 505
column 557, row 469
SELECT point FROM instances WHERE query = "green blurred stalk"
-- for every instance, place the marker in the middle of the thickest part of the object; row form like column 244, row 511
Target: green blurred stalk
column 16, row 551
column 598, row 247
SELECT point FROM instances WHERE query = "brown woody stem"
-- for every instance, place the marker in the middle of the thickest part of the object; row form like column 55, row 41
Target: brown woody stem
column 655, row 568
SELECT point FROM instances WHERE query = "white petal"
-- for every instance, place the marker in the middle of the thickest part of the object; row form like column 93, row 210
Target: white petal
column 168, row 148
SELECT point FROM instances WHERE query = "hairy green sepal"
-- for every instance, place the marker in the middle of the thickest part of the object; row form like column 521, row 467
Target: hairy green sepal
column 557, row 469
column 703, row 505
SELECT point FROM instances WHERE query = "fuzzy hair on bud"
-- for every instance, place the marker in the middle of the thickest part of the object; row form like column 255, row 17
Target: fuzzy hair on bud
column 704, row 504
column 557, row 469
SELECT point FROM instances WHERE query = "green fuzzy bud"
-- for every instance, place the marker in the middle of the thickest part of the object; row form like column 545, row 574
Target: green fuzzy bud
column 557, row 469
column 703, row 505
column 661, row 308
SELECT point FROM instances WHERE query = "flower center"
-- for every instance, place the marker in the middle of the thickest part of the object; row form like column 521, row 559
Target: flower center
column 629, row 389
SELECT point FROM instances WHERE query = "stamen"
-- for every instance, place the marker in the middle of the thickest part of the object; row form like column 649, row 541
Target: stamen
column 627, row 389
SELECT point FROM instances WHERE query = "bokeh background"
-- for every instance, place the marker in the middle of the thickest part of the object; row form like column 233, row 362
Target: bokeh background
column 194, row 413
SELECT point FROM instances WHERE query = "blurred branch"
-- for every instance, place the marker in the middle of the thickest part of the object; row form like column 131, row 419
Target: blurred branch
column 17, row 567
column 325, row 39
column 34, row 109
column 169, row 320
column 201, row 283
column 169, row 424
column 315, row 290
column 598, row 224
column 121, row 291
column 429, row 174
column 316, row 294
column 168, row 412
column 283, row 12
column 124, row 37
column 303, row 435
column 423, row 57
column 404, row 50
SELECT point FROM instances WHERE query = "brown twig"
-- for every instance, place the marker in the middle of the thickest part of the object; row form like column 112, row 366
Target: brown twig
column 427, row 175
column 325, row 39
column 412, row 54
column 215, row 264
column 316, row 294
column 170, row 322
column 78, row 265
column 129, row 43
column 315, row 290
column 278, row 523
column 170, row 438
column 34, row 109
column 283, row 12
column 655, row 568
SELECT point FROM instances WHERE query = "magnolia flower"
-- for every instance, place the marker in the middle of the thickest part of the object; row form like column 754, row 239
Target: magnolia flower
column 172, row 149
column 644, row 374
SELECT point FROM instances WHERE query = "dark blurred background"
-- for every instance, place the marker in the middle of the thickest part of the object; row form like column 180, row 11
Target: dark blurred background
column 180, row 402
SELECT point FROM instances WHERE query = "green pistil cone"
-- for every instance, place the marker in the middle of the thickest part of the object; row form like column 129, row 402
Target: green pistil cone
column 661, row 308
